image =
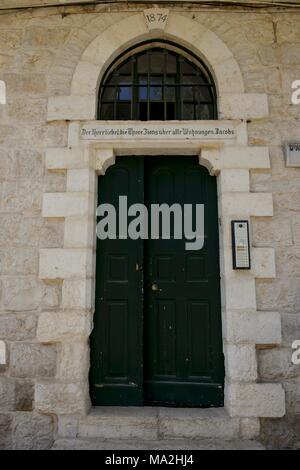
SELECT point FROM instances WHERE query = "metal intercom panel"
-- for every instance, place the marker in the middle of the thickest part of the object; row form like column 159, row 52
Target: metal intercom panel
column 240, row 244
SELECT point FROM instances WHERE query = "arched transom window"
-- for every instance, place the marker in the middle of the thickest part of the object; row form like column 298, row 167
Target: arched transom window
column 157, row 82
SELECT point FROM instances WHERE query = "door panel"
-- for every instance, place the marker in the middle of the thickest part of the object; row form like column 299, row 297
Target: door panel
column 182, row 327
column 116, row 340
column 157, row 323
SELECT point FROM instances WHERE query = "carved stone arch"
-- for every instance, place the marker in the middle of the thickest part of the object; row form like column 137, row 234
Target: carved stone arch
column 132, row 30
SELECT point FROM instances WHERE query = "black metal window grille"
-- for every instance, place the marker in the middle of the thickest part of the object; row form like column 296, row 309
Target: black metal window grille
column 157, row 84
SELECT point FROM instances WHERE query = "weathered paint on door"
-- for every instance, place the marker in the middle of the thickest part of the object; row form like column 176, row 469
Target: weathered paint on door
column 157, row 324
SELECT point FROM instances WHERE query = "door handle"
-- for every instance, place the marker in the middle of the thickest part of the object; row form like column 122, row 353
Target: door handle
column 155, row 288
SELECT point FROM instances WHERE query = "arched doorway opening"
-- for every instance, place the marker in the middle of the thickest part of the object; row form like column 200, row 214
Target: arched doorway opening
column 157, row 325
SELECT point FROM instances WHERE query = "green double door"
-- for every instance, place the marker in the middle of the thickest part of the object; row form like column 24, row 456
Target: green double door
column 157, row 324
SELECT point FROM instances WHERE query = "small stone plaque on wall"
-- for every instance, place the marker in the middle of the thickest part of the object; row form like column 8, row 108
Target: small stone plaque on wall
column 156, row 18
column 292, row 154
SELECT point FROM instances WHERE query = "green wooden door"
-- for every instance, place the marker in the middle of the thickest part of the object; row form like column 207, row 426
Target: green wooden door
column 157, row 324
column 116, row 376
column 182, row 328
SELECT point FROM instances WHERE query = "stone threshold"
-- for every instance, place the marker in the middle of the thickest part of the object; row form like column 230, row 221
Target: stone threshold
column 151, row 428
column 168, row 444
column 158, row 423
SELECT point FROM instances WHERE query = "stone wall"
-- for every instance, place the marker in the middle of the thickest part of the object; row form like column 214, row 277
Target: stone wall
column 39, row 51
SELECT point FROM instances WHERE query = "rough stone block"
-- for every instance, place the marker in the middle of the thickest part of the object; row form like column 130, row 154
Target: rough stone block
column 276, row 365
column 7, row 166
column 292, row 392
column 281, row 433
column 213, row 47
column 58, row 263
column 234, row 180
column 126, row 423
column 263, row 262
column 18, row 327
column 32, row 360
column 240, row 157
column 61, row 398
column 271, row 231
column 32, row 431
column 247, row 204
column 19, row 230
column 67, row 204
column 55, row 181
column 247, row 157
column 80, row 232
column 196, row 423
column 264, row 400
column 252, row 327
column 77, row 293
column 81, row 180
column 286, row 201
column 67, row 426
column 74, row 361
column 10, row 39
column 52, row 134
column 244, row 105
column 85, row 77
column 232, row 82
column 296, row 228
column 7, row 394
column 278, row 294
column 21, row 294
column 22, row 109
column 37, row 61
column 249, row 428
column 22, row 196
column 261, row 181
column 64, row 158
column 51, row 294
column 259, row 30
column 290, row 324
column 5, row 431
column 29, row 164
column 74, row 107
column 103, row 46
column 52, row 233
column 18, row 260
column 24, row 395
column 288, row 261
column 56, row 326
column 240, row 363
column 240, row 293
column 45, row 37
